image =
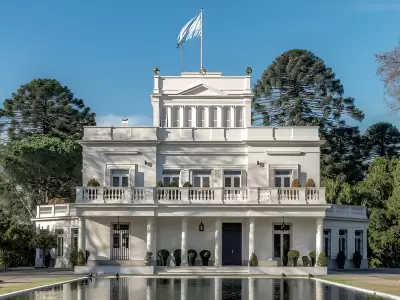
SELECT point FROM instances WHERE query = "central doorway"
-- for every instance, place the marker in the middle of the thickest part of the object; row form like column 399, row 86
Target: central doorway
column 231, row 244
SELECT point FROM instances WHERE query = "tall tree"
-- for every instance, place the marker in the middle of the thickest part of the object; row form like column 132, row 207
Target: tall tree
column 389, row 71
column 382, row 139
column 297, row 89
column 45, row 106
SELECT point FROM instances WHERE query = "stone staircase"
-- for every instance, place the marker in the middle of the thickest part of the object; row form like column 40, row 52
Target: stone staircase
column 200, row 270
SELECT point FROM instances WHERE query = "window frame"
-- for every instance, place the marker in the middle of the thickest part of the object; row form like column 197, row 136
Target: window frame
column 213, row 117
column 174, row 174
column 343, row 237
column 59, row 232
column 176, row 119
column 74, row 238
column 328, row 246
column 201, row 116
column 282, row 177
column 227, row 117
column 201, row 174
column 361, row 239
column 189, row 117
column 120, row 178
column 239, row 116
column 281, row 234
column 232, row 177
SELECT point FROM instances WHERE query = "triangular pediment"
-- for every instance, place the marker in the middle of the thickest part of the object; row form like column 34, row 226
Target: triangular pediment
column 202, row 90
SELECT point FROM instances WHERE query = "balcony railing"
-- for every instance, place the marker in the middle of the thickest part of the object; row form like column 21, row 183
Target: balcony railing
column 200, row 195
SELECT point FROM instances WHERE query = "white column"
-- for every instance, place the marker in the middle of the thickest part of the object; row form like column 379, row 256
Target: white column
column 252, row 295
column 38, row 258
column 233, row 109
column 169, row 116
column 181, row 116
column 252, row 226
column 194, row 116
column 80, row 292
column 319, row 236
column 219, row 116
column 206, row 116
column 184, row 288
column 150, row 230
column 217, row 288
column 82, row 235
column 184, row 242
column 218, row 243
column 365, row 244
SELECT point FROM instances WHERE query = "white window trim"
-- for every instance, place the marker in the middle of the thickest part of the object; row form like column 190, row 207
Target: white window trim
column 360, row 237
column 346, row 237
column 110, row 167
column 271, row 172
column 290, row 232
column 201, row 178
column 232, row 177
column 170, row 175
column 112, row 236
column 329, row 235
column 189, row 117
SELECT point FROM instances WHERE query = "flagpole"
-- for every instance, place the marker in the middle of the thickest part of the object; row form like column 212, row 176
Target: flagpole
column 181, row 50
column 201, row 41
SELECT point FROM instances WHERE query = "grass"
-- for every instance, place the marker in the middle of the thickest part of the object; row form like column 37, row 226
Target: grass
column 15, row 287
column 378, row 285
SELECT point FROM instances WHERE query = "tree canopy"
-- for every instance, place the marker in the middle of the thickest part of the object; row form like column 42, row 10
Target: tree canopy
column 382, row 139
column 297, row 89
column 44, row 106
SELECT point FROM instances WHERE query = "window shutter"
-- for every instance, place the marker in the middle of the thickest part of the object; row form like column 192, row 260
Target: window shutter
column 132, row 176
column 183, row 177
column 244, row 179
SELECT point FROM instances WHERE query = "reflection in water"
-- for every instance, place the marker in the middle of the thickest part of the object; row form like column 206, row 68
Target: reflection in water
column 133, row 288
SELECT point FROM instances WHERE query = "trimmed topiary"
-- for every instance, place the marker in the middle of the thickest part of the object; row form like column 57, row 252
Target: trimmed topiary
column 253, row 262
column 296, row 183
column 322, row 260
column 341, row 259
column 357, row 259
column 187, row 184
column 312, row 255
column 177, row 255
column 81, row 259
column 148, row 259
column 163, row 254
column 205, row 256
column 192, row 254
column 93, row 183
column 310, row 183
column 305, row 261
column 293, row 256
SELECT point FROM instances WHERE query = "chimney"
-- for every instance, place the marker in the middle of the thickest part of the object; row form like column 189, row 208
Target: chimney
column 124, row 123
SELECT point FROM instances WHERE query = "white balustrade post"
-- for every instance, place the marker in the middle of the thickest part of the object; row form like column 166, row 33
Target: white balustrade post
column 319, row 236
column 38, row 258
column 218, row 242
column 82, row 235
column 184, row 242
column 252, row 226
column 150, row 231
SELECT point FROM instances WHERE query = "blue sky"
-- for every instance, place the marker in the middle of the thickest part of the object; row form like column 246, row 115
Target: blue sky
column 104, row 50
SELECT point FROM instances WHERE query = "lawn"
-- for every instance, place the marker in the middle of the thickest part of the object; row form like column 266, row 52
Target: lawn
column 374, row 283
column 6, row 288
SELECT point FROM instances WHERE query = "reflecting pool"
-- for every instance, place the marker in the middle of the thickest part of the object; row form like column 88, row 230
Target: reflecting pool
column 135, row 288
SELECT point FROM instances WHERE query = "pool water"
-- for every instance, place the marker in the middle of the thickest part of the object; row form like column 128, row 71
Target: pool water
column 139, row 288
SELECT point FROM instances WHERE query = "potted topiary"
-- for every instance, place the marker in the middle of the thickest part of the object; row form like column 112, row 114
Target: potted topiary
column 285, row 260
column 87, row 256
column 305, row 261
column 148, row 259
column 187, row 184
column 293, row 256
column 341, row 259
column 322, row 260
column 357, row 259
column 163, row 254
column 93, row 183
column 310, row 183
column 192, row 254
column 73, row 257
column 296, row 183
column 253, row 262
column 177, row 256
column 312, row 255
column 205, row 256
column 160, row 192
column 81, row 258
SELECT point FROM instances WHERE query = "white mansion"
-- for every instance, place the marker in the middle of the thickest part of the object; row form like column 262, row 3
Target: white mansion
column 232, row 195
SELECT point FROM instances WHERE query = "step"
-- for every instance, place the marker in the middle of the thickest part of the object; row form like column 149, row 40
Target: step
column 201, row 270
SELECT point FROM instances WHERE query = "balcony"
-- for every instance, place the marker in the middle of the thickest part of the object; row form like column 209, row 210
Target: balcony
column 93, row 133
column 347, row 211
column 170, row 195
column 56, row 210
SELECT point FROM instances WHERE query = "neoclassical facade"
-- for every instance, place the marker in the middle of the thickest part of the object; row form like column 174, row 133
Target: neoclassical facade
column 202, row 178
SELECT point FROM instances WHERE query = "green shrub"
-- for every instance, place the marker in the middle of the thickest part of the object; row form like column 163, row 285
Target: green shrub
column 253, row 262
column 206, row 184
column 93, row 183
column 73, row 257
column 305, row 260
column 374, row 263
column 148, row 259
column 160, row 184
column 187, row 184
column 310, row 183
column 312, row 254
column 173, row 184
column 322, row 260
column 293, row 254
column 81, row 259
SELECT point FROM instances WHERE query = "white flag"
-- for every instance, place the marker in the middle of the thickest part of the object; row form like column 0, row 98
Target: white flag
column 191, row 30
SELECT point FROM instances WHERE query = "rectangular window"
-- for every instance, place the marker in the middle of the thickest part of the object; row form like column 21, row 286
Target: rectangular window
column 119, row 178
column 327, row 242
column 170, row 176
column 120, row 242
column 74, row 238
column 282, row 178
column 281, row 240
column 60, row 242
column 358, row 240
column 189, row 122
column 239, row 116
column 176, row 117
column 232, row 179
column 201, row 178
column 213, row 117
column 164, row 122
column 202, row 117
column 227, row 117
column 343, row 241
